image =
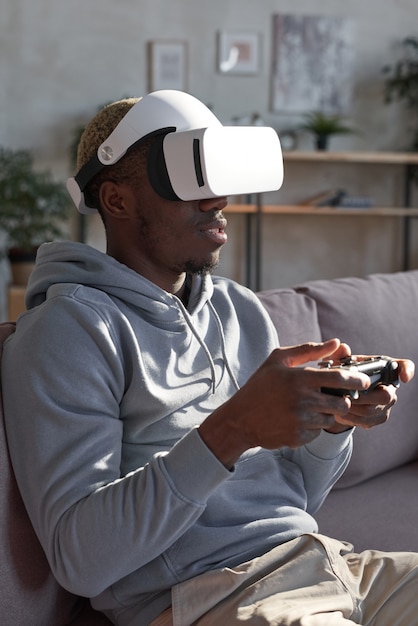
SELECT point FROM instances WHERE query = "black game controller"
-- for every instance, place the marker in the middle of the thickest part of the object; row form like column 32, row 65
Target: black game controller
column 381, row 369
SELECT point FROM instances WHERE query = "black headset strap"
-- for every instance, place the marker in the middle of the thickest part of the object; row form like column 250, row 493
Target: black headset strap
column 94, row 166
column 88, row 171
column 157, row 171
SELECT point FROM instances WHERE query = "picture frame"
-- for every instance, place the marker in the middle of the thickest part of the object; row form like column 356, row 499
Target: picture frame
column 312, row 63
column 239, row 53
column 167, row 65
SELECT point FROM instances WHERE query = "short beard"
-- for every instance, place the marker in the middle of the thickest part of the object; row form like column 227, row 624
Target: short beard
column 201, row 269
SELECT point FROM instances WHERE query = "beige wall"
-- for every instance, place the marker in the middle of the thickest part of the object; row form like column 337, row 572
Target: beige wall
column 61, row 59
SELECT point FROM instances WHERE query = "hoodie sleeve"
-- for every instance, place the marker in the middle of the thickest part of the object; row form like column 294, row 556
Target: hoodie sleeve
column 63, row 379
column 323, row 461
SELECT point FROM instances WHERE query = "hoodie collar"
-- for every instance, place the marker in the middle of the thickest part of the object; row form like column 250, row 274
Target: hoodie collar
column 67, row 262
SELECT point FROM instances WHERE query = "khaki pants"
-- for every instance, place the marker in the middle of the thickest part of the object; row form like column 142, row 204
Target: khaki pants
column 310, row 581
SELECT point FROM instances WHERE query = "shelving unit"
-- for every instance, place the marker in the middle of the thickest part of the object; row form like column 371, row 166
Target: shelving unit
column 254, row 211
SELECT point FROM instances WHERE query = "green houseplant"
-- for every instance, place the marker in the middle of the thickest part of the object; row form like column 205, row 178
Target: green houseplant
column 402, row 81
column 33, row 207
column 323, row 126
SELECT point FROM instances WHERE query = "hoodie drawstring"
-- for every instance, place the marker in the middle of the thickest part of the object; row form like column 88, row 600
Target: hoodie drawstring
column 204, row 346
column 222, row 336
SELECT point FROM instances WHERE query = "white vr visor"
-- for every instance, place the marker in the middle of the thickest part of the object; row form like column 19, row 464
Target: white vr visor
column 193, row 156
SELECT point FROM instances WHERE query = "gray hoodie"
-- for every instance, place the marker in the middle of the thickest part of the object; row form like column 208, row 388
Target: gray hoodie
column 105, row 381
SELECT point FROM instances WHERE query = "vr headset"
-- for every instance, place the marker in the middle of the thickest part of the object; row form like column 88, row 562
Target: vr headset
column 192, row 156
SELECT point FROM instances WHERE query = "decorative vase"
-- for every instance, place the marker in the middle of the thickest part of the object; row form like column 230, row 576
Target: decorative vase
column 321, row 142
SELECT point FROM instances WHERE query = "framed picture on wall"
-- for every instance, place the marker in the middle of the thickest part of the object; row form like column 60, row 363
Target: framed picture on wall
column 312, row 63
column 167, row 65
column 238, row 53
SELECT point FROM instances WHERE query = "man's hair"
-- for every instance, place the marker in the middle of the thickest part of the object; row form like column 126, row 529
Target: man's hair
column 128, row 168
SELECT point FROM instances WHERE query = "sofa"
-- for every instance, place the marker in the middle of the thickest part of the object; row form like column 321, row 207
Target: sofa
column 375, row 503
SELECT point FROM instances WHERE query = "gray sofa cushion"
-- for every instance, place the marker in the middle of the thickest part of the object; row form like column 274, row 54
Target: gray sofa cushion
column 380, row 513
column 375, row 315
column 294, row 316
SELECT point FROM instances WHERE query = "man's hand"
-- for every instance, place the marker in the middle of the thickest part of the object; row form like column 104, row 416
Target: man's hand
column 374, row 408
column 282, row 403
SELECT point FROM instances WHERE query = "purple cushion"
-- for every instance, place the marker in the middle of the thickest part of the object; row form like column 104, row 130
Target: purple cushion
column 29, row 594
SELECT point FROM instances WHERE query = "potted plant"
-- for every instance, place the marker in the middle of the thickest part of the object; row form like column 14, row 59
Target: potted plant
column 33, row 206
column 402, row 81
column 323, row 126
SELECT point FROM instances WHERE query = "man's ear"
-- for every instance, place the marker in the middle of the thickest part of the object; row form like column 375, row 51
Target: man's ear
column 113, row 198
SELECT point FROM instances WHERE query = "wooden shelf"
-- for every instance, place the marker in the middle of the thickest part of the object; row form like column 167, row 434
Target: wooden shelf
column 291, row 209
column 324, row 156
column 337, row 211
column 241, row 208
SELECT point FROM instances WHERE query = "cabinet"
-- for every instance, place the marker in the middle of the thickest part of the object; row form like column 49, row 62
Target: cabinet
column 405, row 161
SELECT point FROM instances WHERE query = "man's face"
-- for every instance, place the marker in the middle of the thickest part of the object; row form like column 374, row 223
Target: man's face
column 166, row 238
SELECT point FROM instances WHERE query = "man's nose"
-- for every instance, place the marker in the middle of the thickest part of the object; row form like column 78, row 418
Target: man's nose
column 208, row 204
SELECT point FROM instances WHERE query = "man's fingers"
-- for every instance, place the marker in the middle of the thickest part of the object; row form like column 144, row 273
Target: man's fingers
column 304, row 353
column 406, row 370
column 340, row 380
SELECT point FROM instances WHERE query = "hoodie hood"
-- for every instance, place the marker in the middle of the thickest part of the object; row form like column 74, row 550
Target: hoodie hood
column 71, row 263
column 63, row 267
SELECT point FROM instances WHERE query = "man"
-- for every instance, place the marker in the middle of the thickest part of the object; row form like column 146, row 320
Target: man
column 170, row 455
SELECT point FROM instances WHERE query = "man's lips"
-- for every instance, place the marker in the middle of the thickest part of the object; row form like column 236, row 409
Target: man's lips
column 216, row 230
